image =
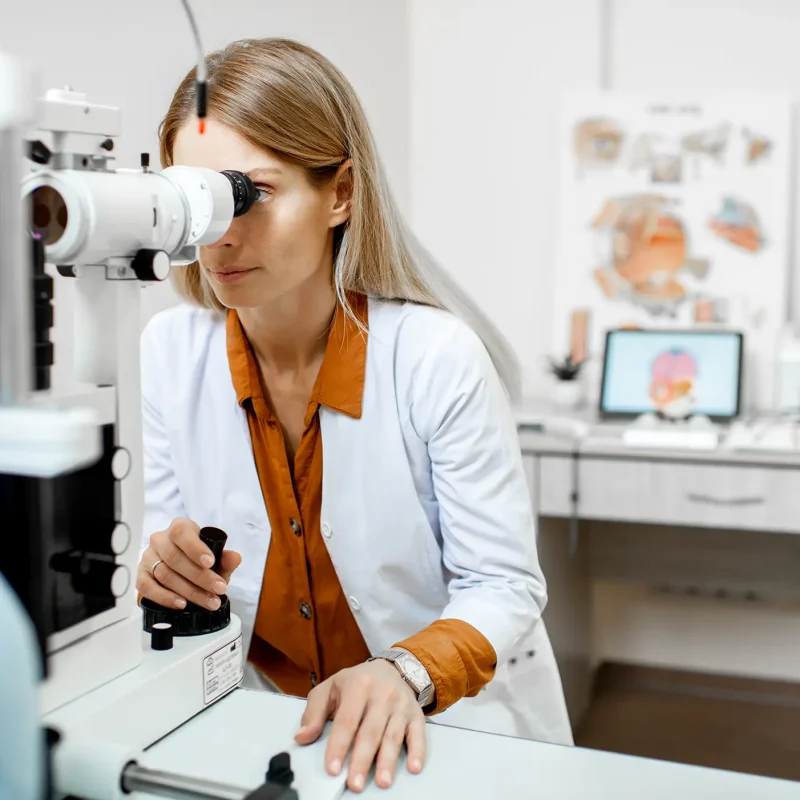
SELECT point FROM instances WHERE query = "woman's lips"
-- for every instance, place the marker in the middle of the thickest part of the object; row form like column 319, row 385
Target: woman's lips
column 230, row 275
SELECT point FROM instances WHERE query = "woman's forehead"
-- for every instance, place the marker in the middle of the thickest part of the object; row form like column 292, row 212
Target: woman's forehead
column 219, row 147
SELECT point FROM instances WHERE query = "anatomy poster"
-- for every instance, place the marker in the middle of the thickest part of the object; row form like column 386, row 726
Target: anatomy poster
column 675, row 214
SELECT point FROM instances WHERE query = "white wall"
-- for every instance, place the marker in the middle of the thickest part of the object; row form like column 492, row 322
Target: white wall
column 132, row 55
column 709, row 46
column 486, row 78
column 485, row 82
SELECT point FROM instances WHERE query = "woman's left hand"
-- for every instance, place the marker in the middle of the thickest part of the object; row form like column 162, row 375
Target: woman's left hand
column 373, row 711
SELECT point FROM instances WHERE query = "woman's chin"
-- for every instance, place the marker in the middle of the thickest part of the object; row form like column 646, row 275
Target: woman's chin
column 236, row 298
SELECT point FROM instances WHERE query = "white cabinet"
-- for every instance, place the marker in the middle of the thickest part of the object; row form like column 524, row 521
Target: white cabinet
column 699, row 495
column 556, row 484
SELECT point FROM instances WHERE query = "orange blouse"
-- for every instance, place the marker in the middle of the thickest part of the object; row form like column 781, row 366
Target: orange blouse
column 305, row 630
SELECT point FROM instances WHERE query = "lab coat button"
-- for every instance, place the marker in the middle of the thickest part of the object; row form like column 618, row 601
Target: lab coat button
column 305, row 610
column 326, row 530
column 354, row 604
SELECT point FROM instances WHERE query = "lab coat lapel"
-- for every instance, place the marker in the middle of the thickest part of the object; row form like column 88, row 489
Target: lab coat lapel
column 242, row 512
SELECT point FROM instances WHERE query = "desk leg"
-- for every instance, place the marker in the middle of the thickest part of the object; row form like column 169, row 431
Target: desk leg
column 568, row 612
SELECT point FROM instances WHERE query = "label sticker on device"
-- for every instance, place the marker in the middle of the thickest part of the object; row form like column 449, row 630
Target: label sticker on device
column 222, row 670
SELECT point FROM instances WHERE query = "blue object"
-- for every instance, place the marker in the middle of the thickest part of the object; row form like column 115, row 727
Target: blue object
column 627, row 370
column 22, row 764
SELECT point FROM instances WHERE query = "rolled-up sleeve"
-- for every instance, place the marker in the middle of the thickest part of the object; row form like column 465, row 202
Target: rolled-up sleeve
column 459, row 659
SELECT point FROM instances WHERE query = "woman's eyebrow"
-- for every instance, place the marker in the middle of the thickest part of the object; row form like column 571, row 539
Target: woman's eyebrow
column 263, row 171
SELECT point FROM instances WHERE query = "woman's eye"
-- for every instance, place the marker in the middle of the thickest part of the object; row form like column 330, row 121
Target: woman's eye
column 262, row 193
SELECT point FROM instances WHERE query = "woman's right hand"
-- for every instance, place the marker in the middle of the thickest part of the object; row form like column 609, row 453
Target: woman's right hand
column 185, row 570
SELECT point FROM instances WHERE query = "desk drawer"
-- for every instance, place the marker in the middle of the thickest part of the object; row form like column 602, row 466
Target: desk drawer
column 556, row 477
column 661, row 492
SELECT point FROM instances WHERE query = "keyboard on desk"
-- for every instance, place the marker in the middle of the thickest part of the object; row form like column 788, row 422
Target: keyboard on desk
column 764, row 435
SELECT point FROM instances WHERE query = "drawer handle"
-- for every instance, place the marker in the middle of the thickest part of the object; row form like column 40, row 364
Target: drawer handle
column 708, row 500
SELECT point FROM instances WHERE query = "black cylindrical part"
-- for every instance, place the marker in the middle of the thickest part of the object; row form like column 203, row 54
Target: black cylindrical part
column 161, row 636
column 202, row 99
column 214, row 539
column 245, row 193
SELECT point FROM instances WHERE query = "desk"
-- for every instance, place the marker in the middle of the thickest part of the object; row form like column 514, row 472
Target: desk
column 232, row 741
column 711, row 510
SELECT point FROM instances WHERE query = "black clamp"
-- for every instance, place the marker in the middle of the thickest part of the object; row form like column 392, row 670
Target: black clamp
column 279, row 778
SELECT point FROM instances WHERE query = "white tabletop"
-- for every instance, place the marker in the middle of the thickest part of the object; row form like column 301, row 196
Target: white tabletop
column 604, row 440
column 233, row 741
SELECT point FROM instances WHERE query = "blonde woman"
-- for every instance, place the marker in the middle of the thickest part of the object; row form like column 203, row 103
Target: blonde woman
column 332, row 401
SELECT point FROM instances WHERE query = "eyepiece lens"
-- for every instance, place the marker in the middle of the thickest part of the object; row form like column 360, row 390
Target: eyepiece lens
column 244, row 191
column 49, row 214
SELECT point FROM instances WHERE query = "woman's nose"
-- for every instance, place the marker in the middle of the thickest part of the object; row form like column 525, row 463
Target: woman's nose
column 230, row 238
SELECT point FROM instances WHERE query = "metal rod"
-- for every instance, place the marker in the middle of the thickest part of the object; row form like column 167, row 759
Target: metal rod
column 16, row 277
column 179, row 787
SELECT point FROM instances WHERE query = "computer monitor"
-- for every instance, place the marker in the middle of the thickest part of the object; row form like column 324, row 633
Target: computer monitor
column 675, row 373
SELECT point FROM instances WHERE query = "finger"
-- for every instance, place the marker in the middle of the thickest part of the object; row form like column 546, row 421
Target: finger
column 416, row 744
column 319, row 707
column 186, row 535
column 389, row 753
column 229, row 563
column 368, row 742
column 346, row 722
column 152, row 590
column 173, row 556
column 170, row 579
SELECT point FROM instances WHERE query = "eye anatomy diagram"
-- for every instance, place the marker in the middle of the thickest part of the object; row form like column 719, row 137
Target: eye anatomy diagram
column 647, row 252
column 675, row 213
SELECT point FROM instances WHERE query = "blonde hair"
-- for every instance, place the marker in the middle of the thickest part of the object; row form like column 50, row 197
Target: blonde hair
column 289, row 99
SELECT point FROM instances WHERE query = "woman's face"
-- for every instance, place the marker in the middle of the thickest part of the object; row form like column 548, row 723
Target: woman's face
column 285, row 240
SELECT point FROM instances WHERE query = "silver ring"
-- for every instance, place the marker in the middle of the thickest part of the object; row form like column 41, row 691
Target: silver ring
column 153, row 569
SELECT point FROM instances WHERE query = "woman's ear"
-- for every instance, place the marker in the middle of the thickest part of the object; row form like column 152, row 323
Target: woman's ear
column 342, row 186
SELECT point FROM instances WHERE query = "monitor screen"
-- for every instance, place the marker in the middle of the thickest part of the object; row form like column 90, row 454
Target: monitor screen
column 675, row 373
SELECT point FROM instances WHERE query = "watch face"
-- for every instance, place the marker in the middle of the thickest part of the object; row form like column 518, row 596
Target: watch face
column 417, row 674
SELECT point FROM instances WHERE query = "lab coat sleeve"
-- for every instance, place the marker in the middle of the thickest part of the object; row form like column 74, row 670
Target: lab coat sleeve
column 162, row 497
column 461, row 410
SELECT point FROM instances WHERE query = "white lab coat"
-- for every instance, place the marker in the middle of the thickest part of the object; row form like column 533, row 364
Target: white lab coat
column 425, row 507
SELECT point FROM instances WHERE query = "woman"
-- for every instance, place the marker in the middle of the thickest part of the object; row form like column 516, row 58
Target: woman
column 337, row 406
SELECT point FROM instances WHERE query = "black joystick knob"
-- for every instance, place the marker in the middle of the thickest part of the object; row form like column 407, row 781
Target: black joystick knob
column 214, row 539
column 193, row 620
column 151, row 265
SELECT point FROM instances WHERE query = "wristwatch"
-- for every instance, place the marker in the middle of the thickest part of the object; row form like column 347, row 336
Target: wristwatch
column 412, row 672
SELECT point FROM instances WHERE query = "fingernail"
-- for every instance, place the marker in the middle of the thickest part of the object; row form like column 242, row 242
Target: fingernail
column 220, row 587
column 386, row 778
column 358, row 782
column 336, row 767
column 213, row 603
column 207, row 560
column 180, row 603
column 416, row 766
